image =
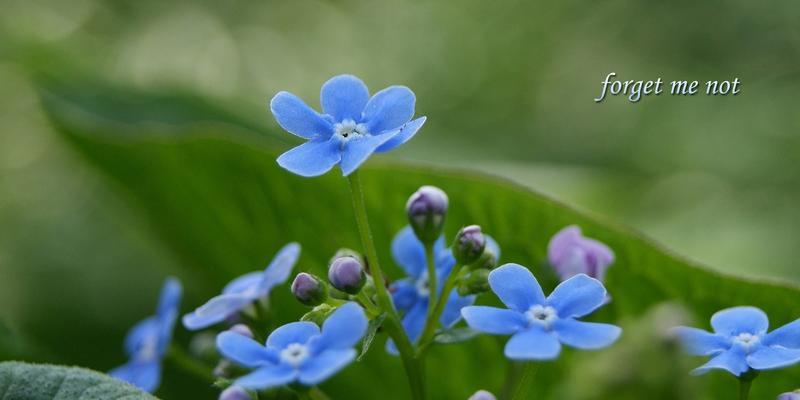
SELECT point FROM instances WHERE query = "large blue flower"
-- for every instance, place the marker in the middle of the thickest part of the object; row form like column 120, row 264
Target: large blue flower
column 244, row 290
column 411, row 294
column 540, row 324
column 297, row 351
column 740, row 341
column 353, row 126
column 148, row 340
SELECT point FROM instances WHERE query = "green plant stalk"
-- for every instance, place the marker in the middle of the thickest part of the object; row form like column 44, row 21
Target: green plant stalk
column 178, row 357
column 431, row 278
column 744, row 388
column 525, row 383
column 393, row 326
column 432, row 321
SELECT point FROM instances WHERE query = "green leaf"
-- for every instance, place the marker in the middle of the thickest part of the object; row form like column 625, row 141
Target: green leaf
column 23, row 381
column 372, row 329
column 455, row 335
column 222, row 204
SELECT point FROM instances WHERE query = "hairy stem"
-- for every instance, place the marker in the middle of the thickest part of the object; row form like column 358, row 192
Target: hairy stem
column 431, row 278
column 432, row 321
column 744, row 388
column 525, row 383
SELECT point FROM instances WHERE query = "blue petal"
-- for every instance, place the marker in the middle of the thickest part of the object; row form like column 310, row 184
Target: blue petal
column 280, row 268
column 786, row 336
column 577, row 296
column 215, row 310
column 268, row 377
column 495, row 321
column 452, row 309
column 736, row 320
column 516, row 287
column 404, row 294
column 245, row 351
column 245, row 283
column 298, row 118
column 344, row 97
column 144, row 375
column 586, row 335
column 358, row 149
column 312, row 158
column 140, row 333
column 404, row 134
column 770, row 357
column 409, row 252
column 532, row 344
column 732, row 360
column 293, row 332
column 321, row 367
column 699, row 342
column 389, row 109
column 170, row 297
column 343, row 329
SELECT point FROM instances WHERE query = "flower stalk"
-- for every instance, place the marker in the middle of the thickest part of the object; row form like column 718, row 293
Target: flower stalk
column 525, row 382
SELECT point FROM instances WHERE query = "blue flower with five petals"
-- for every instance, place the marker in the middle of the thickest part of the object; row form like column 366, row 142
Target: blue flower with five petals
column 740, row 341
column 298, row 351
column 244, row 290
column 539, row 324
column 353, row 126
column 411, row 294
column 148, row 340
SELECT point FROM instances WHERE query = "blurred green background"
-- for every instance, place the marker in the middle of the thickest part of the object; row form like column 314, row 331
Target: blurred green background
column 507, row 87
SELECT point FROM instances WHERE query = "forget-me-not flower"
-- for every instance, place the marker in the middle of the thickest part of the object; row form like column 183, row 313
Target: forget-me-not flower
column 244, row 290
column 411, row 294
column 147, row 342
column 570, row 254
column 740, row 341
column 539, row 324
column 298, row 351
column 353, row 125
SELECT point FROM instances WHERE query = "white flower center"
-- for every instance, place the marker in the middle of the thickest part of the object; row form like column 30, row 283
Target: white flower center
column 747, row 340
column 349, row 129
column 294, row 354
column 542, row 315
column 423, row 290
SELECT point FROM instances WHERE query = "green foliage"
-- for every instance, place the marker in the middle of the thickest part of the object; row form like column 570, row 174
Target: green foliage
column 218, row 199
column 22, row 381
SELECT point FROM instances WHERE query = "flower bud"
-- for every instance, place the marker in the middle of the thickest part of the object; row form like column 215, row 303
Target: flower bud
column 318, row 314
column 482, row 395
column 469, row 244
column 476, row 282
column 309, row 289
column 243, row 330
column 223, row 369
column 345, row 252
column 204, row 345
column 790, row 395
column 426, row 209
column 347, row 274
column 570, row 253
column 234, row 393
column 487, row 260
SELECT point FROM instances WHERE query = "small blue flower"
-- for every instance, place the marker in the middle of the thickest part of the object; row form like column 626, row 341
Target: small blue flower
column 244, row 290
column 740, row 341
column 148, row 340
column 540, row 325
column 298, row 351
column 570, row 253
column 353, row 126
column 411, row 294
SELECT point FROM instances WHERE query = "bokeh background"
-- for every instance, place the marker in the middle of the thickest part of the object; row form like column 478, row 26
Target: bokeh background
column 507, row 88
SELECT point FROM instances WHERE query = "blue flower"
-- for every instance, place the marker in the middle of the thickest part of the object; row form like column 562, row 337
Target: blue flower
column 410, row 294
column 244, row 290
column 148, row 340
column 740, row 341
column 298, row 351
column 541, row 325
column 570, row 253
column 352, row 127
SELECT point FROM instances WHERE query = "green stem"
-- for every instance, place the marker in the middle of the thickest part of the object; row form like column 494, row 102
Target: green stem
column 317, row 394
column 744, row 388
column 525, row 383
column 393, row 327
column 432, row 321
column 372, row 309
column 431, row 278
column 179, row 358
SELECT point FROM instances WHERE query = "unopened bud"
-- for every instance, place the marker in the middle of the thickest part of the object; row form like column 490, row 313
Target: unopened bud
column 309, row 289
column 426, row 209
column 482, row 395
column 790, row 395
column 476, row 282
column 234, row 393
column 347, row 274
column 243, row 330
column 469, row 244
column 318, row 314
column 487, row 260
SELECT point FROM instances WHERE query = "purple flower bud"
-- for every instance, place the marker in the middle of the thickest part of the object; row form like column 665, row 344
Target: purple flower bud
column 243, row 330
column 482, row 395
column 570, row 254
column 474, row 283
column 234, row 393
column 790, row 395
column 347, row 274
column 426, row 209
column 309, row 289
column 469, row 244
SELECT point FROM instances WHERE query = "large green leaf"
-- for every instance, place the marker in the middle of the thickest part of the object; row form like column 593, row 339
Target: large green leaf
column 220, row 201
column 23, row 381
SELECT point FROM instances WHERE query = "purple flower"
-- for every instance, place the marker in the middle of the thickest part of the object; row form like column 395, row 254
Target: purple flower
column 539, row 325
column 298, row 351
column 244, row 290
column 740, row 341
column 570, row 253
column 148, row 340
column 790, row 395
column 482, row 395
column 410, row 294
column 353, row 126
column 234, row 393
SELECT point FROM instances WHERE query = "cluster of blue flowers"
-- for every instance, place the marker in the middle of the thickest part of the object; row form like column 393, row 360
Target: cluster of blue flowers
column 441, row 285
